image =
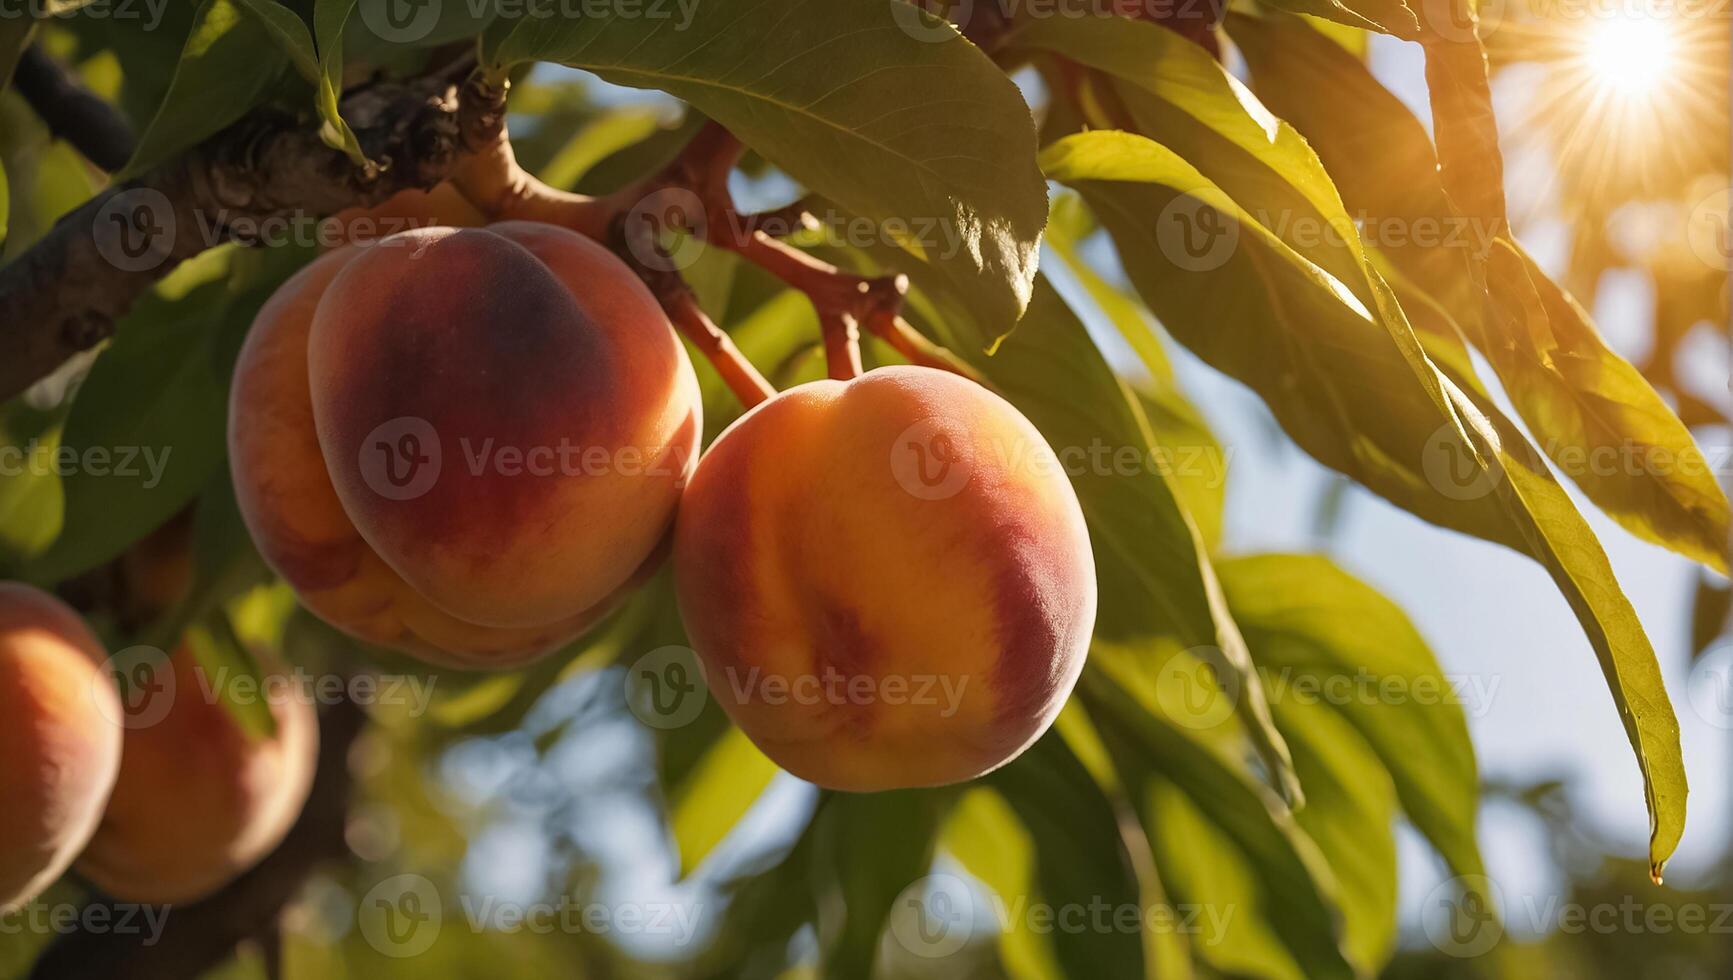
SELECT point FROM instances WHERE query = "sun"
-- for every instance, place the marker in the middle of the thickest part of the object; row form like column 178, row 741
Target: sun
column 1630, row 56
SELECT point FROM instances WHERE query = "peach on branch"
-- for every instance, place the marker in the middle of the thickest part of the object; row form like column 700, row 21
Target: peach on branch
column 60, row 725
column 888, row 580
column 200, row 797
column 463, row 443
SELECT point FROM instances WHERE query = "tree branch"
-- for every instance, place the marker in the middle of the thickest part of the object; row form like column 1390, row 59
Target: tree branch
column 72, row 112
column 64, row 294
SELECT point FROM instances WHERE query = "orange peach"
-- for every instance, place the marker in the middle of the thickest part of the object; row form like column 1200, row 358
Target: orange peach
column 59, row 723
column 888, row 580
column 200, row 798
column 463, row 444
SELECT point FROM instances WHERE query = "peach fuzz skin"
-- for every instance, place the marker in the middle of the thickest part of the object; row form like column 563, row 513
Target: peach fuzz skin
column 869, row 618
column 59, row 722
column 513, row 337
column 200, row 799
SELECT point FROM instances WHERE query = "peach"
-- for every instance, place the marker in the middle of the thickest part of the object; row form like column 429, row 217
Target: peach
column 59, row 723
column 463, row 444
column 200, row 798
column 888, row 580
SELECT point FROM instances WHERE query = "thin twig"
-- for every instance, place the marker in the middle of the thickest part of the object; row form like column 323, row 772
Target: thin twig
column 72, row 112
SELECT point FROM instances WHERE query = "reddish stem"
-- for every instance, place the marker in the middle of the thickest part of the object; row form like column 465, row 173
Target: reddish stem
column 841, row 345
column 714, row 343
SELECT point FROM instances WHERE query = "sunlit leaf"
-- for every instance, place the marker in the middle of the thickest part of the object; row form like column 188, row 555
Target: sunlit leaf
column 875, row 104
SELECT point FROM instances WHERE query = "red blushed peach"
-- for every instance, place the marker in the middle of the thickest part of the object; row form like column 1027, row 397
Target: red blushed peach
column 59, row 724
column 888, row 580
column 463, row 444
column 200, row 799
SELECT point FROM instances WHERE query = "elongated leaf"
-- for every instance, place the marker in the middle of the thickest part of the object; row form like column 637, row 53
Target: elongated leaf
column 1156, row 573
column 1581, row 399
column 329, row 17
column 1306, row 621
column 1344, row 387
column 875, row 104
column 985, row 835
column 229, row 61
column 1080, row 858
column 1350, row 814
column 1228, row 853
column 1385, row 16
column 867, row 850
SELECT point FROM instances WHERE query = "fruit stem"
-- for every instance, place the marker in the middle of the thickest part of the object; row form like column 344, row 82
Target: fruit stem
column 841, row 345
column 717, row 347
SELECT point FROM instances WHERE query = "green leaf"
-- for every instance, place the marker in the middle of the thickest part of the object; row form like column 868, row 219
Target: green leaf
column 1155, row 573
column 1582, row 400
column 985, row 835
column 139, row 452
column 1385, row 16
column 1080, row 857
column 1225, row 846
column 597, row 140
column 1185, row 447
column 875, row 104
column 329, row 17
column 715, row 795
column 1306, row 621
column 32, row 503
column 868, row 849
column 290, row 33
column 230, row 60
column 1343, row 386
column 1350, row 814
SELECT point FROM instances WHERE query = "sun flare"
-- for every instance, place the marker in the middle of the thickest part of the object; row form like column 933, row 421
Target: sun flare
column 1630, row 56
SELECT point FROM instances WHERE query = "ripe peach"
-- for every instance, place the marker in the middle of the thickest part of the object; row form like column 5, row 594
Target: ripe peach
column 59, row 723
column 889, row 580
column 200, row 798
column 463, row 444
